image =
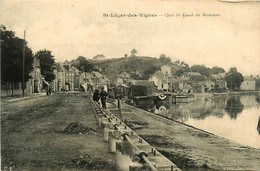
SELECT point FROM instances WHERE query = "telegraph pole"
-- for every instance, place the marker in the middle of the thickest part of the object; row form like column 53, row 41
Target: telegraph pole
column 23, row 60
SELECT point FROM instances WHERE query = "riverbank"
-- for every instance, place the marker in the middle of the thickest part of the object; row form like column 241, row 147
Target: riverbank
column 188, row 147
column 227, row 93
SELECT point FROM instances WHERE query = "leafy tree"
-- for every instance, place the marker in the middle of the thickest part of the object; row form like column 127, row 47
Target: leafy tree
column 12, row 58
column 177, row 62
column 233, row 79
column 165, row 59
column 217, row 70
column 150, row 70
column 234, row 107
column 82, row 64
column 133, row 52
column 179, row 72
column 46, row 64
column 201, row 69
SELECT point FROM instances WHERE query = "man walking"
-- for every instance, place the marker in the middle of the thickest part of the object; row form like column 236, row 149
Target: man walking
column 103, row 96
column 96, row 96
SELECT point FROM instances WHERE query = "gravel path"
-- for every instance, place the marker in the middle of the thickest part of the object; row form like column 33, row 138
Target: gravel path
column 58, row 132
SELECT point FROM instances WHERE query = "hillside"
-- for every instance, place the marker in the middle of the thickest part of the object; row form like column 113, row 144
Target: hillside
column 141, row 64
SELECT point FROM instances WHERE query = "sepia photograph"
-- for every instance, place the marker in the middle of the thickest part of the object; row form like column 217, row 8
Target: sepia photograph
column 106, row 85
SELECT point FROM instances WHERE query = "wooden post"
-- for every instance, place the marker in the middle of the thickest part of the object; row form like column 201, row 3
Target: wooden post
column 120, row 109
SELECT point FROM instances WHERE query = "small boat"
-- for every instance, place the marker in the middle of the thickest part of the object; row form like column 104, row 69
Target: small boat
column 162, row 96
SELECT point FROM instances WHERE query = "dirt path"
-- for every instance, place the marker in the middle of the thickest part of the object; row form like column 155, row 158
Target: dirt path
column 189, row 148
column 58, row 132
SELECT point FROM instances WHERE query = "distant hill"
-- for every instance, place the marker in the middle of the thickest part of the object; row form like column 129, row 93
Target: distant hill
column 110, row 67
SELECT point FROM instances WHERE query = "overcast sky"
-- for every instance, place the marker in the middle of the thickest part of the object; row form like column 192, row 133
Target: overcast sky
column 77, row 28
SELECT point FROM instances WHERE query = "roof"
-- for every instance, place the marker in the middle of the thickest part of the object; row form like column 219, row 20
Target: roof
column 198, row 78
column 143, row 83
column 125, row 75
column 164, row 82
column 66, row 62
column 97, row 74
column 60, row 67
column 193, row 74
column 87, row 75
column 248, row 78
column 167, row 65
column 122, row 85
column 186, row 86
column 173, row 80
column 218, row 76
column 159, row 75
column 75, row 70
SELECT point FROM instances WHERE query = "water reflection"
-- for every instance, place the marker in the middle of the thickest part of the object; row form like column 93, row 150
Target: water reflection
column 234, row 107
column 221, row 115
column 199, row 109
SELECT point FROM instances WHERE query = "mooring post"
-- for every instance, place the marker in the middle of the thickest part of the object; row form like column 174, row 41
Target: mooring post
column 120, row 108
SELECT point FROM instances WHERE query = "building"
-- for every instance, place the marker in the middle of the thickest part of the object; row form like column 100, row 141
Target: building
column 99, row 57
column 167, row 70
column 34, row 84
column 36, row 76
column 94, row 81
column 160, row 82
column 76, row 74
column 248, row 83
column 124, row 77
column 67, row 78
column 60, row 77
column 55, row 82
column 219, row 81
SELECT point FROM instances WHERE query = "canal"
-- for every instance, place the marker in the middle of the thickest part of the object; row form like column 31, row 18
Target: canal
column 235, row 117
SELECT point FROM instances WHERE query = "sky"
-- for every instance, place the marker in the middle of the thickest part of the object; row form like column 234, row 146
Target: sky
column 75, row 28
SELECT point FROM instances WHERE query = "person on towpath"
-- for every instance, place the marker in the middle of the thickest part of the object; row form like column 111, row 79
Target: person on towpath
column 96, row 96
column 103, row 96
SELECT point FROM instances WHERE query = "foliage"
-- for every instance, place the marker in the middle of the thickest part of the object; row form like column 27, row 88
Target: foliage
column 234, row 107
column 233, row 79
column 150, row 70
column 82, row 64
column 12, row 58
column 185, row 68
column 46, row 64
column 217, row 70
column 165, row 59
column 201, row 69
column 133, row 52
column 136, row 76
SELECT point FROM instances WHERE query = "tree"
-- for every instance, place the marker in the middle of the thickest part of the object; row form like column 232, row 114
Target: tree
column 234, row 107
column 12, row 58
column 46, row 64
column 82, row 64
column 233, row 79
column 133, row 52
column 149, row 71
column 165, row 59
column 201, row 69
column 217, row 70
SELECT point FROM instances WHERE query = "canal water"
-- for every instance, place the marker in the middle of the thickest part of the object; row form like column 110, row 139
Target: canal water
column 235, row 117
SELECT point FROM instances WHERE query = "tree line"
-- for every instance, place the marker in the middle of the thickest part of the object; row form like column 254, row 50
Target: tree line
column 12, row 48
